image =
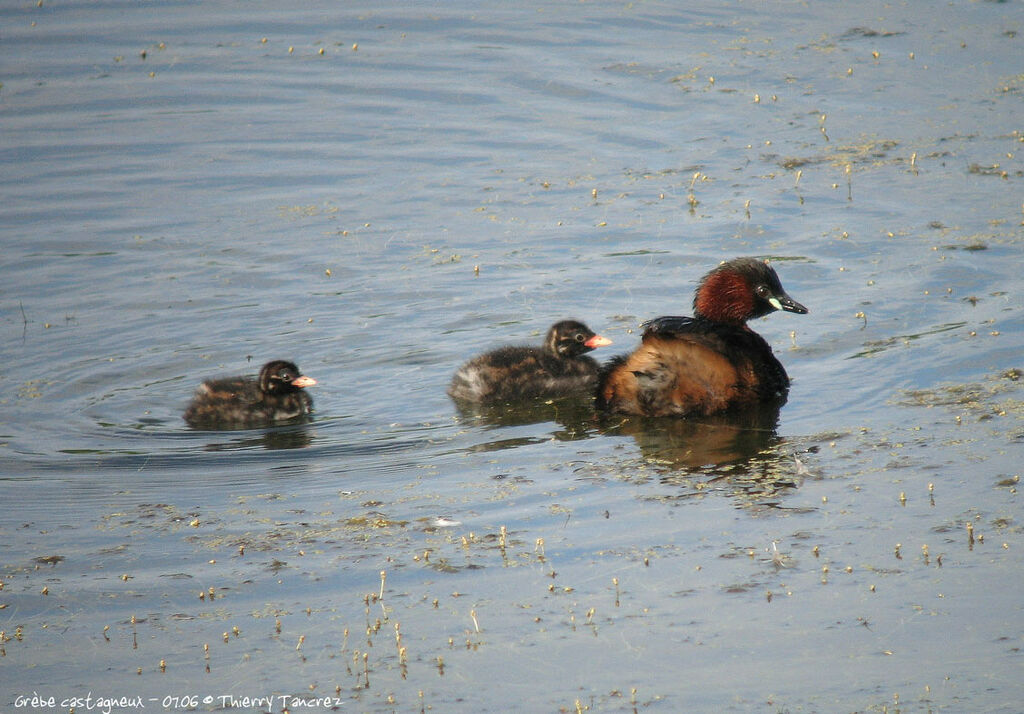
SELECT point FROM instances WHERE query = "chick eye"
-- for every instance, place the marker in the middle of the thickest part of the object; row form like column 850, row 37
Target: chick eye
column 284, row 377
column 580, row 337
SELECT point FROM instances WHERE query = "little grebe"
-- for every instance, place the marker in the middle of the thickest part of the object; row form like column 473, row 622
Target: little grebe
column 711, row 362
column 241, row 402
column 558, row 369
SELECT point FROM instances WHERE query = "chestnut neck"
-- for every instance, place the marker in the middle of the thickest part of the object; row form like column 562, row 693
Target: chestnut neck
column 725, row 296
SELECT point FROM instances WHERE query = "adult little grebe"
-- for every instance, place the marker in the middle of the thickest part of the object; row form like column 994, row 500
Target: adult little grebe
column 557, row 369
column 711, row 362
column 241, row 402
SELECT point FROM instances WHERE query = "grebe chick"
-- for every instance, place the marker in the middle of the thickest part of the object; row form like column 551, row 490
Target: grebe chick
column 276, row 395
column 559, row 368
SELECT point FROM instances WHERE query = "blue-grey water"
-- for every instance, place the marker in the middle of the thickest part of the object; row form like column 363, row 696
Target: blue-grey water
column 379, row 191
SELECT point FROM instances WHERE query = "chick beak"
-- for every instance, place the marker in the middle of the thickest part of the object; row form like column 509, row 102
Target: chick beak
column 303, row 381
column 598, row 341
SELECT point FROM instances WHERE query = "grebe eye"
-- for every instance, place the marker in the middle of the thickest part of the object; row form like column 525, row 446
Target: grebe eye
column 763, row 291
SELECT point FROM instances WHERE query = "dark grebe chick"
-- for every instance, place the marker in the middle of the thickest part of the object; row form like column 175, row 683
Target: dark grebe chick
column 242, row 402
column 559, row 368
column 711, row 362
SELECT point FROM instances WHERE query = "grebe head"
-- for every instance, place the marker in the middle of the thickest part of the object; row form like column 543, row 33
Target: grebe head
column 570, row 338
column 742, row 289
column 281, row 376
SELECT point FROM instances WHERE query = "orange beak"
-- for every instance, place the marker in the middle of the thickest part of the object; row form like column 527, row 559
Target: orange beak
column 597, row 341
column 303, row 381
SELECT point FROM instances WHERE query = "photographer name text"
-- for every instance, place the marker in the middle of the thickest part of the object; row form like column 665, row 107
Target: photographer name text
column 131, row 703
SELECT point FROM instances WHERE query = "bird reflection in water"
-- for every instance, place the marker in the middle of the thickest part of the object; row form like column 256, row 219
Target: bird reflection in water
column 698, row 442
column 575, row 416
column 292, row 436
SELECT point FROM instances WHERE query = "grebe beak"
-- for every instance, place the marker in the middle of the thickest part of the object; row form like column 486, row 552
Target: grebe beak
column 598, row 341
column 303, row 381
column 785, row 302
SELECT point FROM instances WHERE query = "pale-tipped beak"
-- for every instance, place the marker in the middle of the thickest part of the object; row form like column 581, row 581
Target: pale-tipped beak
column 597, row 341
column 785, row 302
column 303, row 381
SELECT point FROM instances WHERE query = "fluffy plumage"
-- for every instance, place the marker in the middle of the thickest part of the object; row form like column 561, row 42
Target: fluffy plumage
column 559, row 368
column 276, row 395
